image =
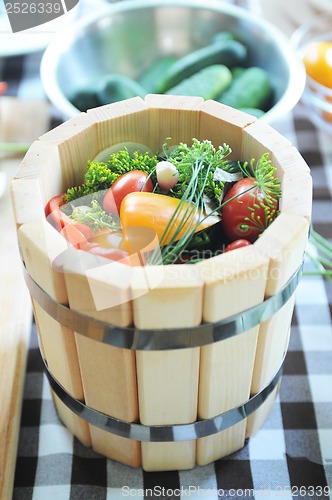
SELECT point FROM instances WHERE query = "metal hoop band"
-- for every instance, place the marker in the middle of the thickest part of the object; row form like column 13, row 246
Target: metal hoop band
column 163, row 339
column 163, row 433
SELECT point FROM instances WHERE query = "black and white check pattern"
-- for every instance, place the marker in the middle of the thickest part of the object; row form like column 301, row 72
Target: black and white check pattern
column 290, row 457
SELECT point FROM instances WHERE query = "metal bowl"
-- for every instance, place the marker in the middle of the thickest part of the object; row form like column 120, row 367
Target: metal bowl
column 127, row 36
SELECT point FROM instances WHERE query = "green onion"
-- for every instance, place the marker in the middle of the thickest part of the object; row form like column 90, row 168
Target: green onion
column 14, row 147
column 323, row 261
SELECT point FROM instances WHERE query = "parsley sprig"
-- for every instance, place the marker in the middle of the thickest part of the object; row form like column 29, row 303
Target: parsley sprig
column 101, row 175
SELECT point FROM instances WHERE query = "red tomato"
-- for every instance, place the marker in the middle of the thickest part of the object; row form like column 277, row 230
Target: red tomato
column 53, row 213
column 237, row 244
column 74, row 235
column 85, row 230
column 129, row 182
column 247, row 215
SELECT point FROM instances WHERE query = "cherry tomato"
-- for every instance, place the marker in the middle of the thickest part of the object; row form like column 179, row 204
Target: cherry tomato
column 129, row 182
column 237, row 244
column 246, row 216
column 318, row 62
column 54, row 214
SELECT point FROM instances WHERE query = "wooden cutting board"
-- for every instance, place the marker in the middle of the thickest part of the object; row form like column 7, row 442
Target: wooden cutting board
column 20, row 121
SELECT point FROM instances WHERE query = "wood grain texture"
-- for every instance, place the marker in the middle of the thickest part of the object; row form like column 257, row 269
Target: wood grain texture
column 125, row 121
column 234, row 282
column 40, row 245
column 284, row 242
column 40, row 164
column 15, row 311
column 221, row 124
column 174, row 301
column 76, row 143
column 15, row 320
column 176, row 117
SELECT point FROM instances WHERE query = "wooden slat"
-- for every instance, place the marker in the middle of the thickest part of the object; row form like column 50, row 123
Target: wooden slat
column 109, row 381
column 41, row 165
column 40, row 245
column 16, row 126
column 260, row 138
column 121, row 121
column 296, row 184
column 257, row 419
column 174, row 117
column 76, row 141
column 167, row 380
column 234, row 282
column 221, row 124
column 15, row 320
column 26, row 198
column 98, row 288
column 284, row 243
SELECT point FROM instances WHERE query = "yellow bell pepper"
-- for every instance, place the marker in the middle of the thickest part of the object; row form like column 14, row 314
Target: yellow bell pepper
column 158, row 212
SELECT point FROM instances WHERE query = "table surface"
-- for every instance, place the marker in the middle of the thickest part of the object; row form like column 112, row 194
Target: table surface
column 290, row 457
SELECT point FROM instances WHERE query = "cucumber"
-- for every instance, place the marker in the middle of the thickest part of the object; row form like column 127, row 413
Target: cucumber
column 222, row 35
column 227, row 52
column 114, row 87
column 252, row 89
column 84, row 99
column 237, row 71
column 208, row 82
column 152, row 76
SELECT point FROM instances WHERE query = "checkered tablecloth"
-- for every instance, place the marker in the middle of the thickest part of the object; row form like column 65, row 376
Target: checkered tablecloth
column 290, row 457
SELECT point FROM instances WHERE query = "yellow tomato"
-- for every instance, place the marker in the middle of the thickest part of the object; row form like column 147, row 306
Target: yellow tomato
column 318, row 62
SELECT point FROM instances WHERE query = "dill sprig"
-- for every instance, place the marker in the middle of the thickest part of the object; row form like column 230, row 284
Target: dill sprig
column 199, row 161
column 209, row 158
column 263, row 174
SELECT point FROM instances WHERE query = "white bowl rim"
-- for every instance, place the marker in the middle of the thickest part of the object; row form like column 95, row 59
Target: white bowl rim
column 61, row 41
column 304, row 29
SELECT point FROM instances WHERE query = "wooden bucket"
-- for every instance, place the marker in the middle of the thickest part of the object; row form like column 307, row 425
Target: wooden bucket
column 179, row 364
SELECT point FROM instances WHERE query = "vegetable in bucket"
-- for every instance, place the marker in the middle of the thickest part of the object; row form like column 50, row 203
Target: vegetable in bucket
column 196, row 200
